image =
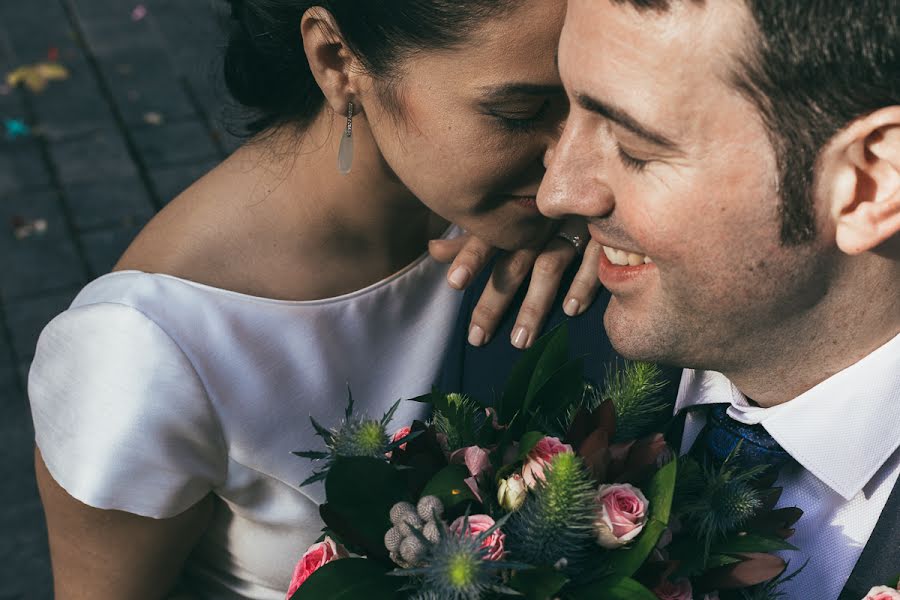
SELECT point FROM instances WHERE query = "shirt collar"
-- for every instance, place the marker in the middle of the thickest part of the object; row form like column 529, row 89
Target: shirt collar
column 842, row 430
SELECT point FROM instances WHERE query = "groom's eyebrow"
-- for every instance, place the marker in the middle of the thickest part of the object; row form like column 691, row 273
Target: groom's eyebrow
column 621, row 117
column 513, row 90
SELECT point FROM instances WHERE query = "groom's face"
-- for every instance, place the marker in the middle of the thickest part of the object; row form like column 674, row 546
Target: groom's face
column 678, row 177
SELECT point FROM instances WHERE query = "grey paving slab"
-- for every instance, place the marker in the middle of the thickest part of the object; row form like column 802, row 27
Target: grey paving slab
column 104, row 247
column 29, row 317
column 175, row 143
column 172, row 180
column 72, row 107
column 22, row 167
column 115, row 202
column 37, row 266
column 95, row 157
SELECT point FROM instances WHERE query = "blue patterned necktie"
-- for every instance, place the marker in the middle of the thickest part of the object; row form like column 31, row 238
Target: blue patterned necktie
column 722, row 434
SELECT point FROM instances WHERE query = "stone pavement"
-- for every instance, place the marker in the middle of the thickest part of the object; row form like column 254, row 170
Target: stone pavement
column 135, row 122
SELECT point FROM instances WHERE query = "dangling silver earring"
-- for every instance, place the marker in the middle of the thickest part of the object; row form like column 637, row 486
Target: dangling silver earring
column 345, row 152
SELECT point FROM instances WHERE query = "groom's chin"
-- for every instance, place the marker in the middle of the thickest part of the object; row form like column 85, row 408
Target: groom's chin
column 638, row 337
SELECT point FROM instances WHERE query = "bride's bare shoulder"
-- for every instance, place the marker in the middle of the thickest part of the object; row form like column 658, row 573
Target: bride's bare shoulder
column 194, row 236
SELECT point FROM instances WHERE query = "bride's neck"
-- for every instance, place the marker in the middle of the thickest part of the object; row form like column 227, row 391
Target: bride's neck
column 366, row 218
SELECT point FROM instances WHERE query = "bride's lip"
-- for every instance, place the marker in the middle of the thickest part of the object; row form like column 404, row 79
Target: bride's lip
column 525, row 201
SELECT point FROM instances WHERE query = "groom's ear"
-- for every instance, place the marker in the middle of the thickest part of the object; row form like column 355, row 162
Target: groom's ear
column 860, row 179
column 334, row 67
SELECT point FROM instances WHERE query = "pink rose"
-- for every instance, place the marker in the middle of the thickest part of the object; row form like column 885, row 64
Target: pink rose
column 539, row 458
column 621, row 513
column 680, row 590
column 477, row 525
column 317, row 556
column 399, row 435
column 882, row 592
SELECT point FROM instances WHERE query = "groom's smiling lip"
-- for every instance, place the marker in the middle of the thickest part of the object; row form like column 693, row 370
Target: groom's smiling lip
column 618, row 265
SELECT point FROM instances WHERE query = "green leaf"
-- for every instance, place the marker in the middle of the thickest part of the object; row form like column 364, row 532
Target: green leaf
column 563, row 389
column 750, row 543
column 721, row 560
column 527, row 442
column 613, row 588
column 554, row 357
column 660, row 492
column 517, row 385
column 350, row 579
column 361, row 492
column 538, row 584
column 449, row 485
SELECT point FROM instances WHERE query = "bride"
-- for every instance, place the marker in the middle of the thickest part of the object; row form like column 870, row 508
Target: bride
column 168, row 398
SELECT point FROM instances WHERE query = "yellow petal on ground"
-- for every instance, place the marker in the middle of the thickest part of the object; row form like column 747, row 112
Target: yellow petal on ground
column 52, row 71
column 35, row 77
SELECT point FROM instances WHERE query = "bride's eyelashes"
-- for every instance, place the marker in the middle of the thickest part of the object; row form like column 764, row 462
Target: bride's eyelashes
column 517, row 121
column 631, row 162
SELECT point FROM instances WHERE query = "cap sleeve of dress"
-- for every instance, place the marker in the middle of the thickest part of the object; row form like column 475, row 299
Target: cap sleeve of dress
column 121, row 417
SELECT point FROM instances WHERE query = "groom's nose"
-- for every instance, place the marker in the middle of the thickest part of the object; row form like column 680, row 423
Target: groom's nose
column 574, row 183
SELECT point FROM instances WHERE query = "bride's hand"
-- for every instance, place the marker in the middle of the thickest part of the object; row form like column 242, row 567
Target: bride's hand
column 469, row 255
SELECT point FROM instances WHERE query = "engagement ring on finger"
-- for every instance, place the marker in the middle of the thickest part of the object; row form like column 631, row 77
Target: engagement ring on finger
column 577, row 241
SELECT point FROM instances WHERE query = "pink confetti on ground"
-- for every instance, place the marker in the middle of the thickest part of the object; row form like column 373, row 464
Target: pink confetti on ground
column 138, row 13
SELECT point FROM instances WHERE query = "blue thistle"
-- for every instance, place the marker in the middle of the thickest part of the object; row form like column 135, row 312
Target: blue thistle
column 354, row 437
column 556, row 521
column 716, row 501
column 457, row 567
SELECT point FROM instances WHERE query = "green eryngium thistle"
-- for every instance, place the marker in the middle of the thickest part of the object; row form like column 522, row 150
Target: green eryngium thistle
column 556, row 521
column 634, row 391
column 717, row 501
column 456, row 567
column 460, row 420
column 354, row 437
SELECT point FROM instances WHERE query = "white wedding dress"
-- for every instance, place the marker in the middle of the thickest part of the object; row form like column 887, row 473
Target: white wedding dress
column 151, row 392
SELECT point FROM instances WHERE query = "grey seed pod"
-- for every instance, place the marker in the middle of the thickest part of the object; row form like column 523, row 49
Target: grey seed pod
column 412, row 522
column 428, row 507
column 398, row 560
column 402, row 512
column 392, row 539
column 412, row 550
column 431, row 532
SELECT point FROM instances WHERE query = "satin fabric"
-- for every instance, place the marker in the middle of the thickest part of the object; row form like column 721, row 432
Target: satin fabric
column 151, row 392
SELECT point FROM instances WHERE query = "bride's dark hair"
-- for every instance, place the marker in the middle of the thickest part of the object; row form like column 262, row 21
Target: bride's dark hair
column 266, row 69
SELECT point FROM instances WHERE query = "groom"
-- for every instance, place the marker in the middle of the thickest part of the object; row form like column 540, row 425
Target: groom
column 750, row 150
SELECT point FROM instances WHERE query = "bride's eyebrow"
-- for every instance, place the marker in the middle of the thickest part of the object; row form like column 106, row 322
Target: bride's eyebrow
column 508, row 91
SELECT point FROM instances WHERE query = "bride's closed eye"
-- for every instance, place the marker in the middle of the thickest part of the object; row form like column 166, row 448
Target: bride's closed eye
column 520, row 120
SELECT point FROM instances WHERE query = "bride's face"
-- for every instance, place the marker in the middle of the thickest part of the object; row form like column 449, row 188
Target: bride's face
column 470, row 126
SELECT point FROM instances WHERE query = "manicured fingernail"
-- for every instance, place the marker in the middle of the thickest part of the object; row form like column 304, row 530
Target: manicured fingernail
column 459, row 277
column 572, row 307
column 520, row 338
column 476, row 335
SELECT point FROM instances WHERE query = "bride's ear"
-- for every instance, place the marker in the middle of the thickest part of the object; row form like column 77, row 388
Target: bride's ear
column 334, row 67
column 862, row 181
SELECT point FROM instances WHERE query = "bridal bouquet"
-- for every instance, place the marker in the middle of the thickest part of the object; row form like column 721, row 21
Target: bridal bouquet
column 558, row 490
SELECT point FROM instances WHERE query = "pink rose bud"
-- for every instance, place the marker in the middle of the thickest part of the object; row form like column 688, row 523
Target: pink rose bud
column 477, row 525
column 679, row 590
column 399, row 435
column 317, row 556
column 539, row 459
column 621, row 513
column 882, row 592
column 511, row 492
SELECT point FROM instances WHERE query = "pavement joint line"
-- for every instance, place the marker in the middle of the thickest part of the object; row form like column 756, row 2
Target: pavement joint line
column 57, row 187
column 106, row 91
column 6, row 335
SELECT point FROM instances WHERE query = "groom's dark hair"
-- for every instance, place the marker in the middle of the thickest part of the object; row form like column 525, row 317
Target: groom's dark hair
column 265, row 66
column 816, row 65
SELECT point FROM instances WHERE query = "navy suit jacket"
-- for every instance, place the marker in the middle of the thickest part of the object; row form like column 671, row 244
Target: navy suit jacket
column 482, row 372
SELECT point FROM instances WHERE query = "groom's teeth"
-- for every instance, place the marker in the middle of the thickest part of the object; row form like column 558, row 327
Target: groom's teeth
column 625, row 259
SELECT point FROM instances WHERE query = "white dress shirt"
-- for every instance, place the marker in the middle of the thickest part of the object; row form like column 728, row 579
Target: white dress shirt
column 844, row 434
